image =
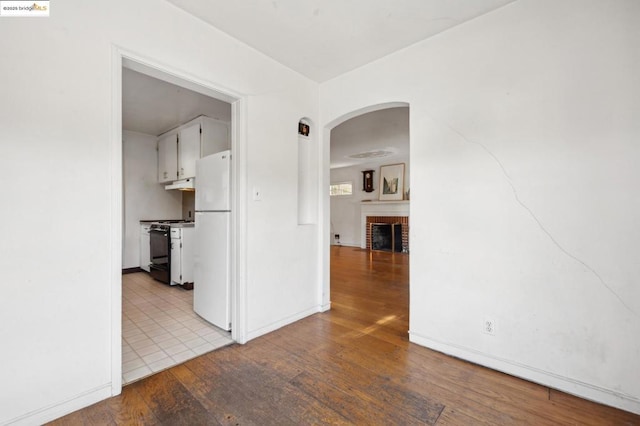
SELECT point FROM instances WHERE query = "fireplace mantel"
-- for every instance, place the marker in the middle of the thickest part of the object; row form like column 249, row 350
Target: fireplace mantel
column 379, row 208
column 365, row 203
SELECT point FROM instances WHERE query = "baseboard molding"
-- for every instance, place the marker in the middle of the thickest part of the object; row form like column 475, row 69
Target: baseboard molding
column 325, row 307
column 574, row 387
column 357, row 245
column 281, row 323
column 131, row 270
column 63, row 408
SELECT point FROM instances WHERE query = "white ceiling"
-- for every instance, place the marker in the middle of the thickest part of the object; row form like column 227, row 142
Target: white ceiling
column 322, row 39
column 373, row 138
column 154, row 106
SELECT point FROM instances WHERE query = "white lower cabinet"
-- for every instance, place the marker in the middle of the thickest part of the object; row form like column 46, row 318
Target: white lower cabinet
column 182, row 241
column 145, row 250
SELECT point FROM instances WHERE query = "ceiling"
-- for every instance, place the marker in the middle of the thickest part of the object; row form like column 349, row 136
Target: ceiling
column 154, row 106
column 374, row 138
column 322, row 39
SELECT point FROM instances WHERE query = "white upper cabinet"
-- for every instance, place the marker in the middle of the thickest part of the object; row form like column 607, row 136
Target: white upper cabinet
column 168, row 157
column 188, row 150
column 179, row 148
column 215, row 136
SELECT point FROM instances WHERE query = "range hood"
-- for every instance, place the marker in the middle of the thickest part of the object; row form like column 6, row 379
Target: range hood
column 183, row 185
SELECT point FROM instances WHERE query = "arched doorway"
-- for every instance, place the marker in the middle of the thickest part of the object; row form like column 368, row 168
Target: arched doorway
column 379, row 131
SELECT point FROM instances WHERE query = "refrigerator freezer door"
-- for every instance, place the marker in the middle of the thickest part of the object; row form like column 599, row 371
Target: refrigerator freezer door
column 211, row 287
column 212, row 182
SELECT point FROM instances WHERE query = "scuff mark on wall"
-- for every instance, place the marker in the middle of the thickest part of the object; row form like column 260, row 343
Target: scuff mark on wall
column 535, row 218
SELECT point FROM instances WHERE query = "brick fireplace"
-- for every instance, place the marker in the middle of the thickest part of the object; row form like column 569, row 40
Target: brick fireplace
column 402, row 220
column 383, row 212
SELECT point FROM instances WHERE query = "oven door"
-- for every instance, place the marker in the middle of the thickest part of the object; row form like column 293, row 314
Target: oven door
column 159, row 246
column 160, row 253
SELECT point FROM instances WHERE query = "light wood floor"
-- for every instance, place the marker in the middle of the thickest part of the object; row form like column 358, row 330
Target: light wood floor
column 352, row 365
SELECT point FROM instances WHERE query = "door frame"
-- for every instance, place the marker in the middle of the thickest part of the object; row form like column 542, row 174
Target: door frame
column 124, row 58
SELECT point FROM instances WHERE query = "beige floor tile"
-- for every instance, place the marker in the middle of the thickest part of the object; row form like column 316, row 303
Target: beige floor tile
column 204, row 348
column 132, row 365
column 193, row 343
column 183, row 356
column 153, row 357
column 162, row 364
column 175, row 349
column 146, row 350
column 136, row 374
column 160, row 329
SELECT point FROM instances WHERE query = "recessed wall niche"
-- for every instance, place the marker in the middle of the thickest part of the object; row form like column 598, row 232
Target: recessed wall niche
column 307, row 188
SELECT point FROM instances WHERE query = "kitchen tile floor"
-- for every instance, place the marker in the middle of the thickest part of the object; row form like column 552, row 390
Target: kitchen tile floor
column 160, row 329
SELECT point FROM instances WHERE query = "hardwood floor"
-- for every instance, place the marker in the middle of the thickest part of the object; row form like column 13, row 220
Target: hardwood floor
column 351, row 365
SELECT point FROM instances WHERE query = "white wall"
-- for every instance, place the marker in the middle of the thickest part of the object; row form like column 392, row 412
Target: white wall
column 524, row 131
column 188, row 205
column 345, row 210
column 144, row 198
column 56, row 306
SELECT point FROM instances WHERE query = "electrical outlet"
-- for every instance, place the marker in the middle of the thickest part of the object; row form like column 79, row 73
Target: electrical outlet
column 489, row 326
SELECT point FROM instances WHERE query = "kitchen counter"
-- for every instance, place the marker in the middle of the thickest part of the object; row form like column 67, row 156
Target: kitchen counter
column 161, row 220
column 174, row 223
column 183, row 225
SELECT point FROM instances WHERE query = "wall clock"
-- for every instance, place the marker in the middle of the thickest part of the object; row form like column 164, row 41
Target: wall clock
column 367, row 181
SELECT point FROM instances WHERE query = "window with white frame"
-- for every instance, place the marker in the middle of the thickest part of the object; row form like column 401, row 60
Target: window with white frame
column 341, row 189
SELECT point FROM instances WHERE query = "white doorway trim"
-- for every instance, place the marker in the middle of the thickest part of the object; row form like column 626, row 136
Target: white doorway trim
column 122, row 57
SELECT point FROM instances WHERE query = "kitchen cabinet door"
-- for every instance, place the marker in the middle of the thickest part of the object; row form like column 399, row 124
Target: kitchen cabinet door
column 176, row 261
column 215, row 136
column 167, row 157
column 188, row 246
column 145, row 251
column 188, row 151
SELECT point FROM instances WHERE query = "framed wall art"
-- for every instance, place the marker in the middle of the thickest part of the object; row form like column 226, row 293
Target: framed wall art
column 303, row 129
column 391, row 182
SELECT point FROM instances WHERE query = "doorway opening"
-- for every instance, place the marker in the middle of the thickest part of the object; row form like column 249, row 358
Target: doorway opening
column 154, row 326
column 369, row 240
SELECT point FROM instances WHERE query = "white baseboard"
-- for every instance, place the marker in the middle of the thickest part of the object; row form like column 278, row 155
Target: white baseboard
column 347, row 244
column 63, row 408
column 281, row 323
column 325, row 307
column 545, row 378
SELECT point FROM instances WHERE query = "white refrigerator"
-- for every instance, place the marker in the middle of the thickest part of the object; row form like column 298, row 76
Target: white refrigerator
column 211, row 283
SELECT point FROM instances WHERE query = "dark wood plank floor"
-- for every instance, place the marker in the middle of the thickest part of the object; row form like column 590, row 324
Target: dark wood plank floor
column 352, row 365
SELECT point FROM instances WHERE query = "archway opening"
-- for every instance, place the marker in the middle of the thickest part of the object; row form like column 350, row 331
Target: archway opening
column 367, row 170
